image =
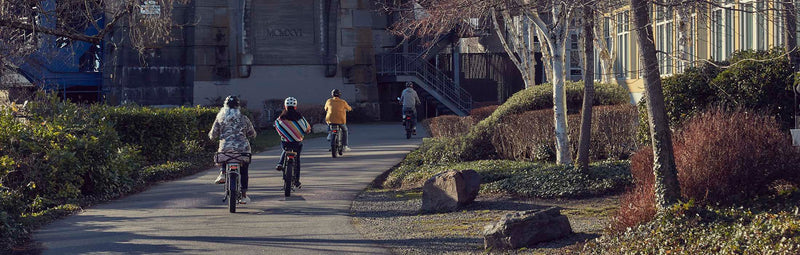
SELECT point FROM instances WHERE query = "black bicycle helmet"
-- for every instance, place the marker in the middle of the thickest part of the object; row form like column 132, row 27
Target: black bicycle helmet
column 232, row 102
column 409, row 84
column 336, row 93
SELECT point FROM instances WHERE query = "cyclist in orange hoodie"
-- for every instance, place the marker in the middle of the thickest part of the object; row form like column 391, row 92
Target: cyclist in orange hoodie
column 336, row 113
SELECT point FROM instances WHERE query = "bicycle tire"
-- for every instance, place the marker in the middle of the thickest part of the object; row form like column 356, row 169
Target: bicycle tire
column 334, row 146
column 233, row 190
column 287, row 178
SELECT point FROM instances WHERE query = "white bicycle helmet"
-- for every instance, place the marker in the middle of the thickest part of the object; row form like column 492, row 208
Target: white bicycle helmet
column 290, row 101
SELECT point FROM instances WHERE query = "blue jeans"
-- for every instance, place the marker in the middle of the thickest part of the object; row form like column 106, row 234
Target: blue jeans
column 345, row 132
column 296, row 147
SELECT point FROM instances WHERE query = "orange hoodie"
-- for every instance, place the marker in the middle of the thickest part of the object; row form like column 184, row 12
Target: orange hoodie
column 336, row 109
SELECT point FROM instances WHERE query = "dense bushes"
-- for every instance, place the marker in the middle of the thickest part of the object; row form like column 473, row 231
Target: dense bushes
column 477, row 144
column 448, row 126
column 529, row 136
column 63, row 156
column 161, row 133
column 313, row 113
column 758, row 80
column 721, row 157
column 481, row 113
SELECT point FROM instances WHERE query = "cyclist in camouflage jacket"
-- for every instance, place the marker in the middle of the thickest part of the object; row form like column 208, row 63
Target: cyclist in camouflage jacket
column 233, row 128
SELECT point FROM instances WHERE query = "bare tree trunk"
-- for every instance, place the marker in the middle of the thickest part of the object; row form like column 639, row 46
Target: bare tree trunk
column 554, row 42
column 667, row 188
column 558, row 47
column 588, row 87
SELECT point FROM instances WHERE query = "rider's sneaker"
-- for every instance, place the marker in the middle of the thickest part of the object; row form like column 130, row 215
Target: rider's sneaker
column 297, row 185
column 279, row 168
column 244, row 200
column 347, row 148
column 220, row 179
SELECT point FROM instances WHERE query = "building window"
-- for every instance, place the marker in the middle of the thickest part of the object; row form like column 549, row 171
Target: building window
column 761, row 26
column 664, row 39
column 722, row 32
column 778, row 16
column 687, row 57
column 575, row 68
column 746, row 30
column 623, row 47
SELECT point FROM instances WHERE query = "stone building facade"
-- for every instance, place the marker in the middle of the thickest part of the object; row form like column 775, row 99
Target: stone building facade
column 258, row 49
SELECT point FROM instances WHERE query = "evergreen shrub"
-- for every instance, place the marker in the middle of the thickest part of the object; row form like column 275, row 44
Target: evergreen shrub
column 757, row 80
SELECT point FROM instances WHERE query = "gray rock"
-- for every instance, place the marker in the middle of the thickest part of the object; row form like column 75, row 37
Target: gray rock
column 319, row 128
column 526, row 228
column 449, row 190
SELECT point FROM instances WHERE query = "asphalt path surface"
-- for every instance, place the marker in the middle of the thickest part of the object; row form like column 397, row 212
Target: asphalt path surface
column 188, row 215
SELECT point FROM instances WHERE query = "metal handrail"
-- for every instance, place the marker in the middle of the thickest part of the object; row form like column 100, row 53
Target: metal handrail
column 413, row 64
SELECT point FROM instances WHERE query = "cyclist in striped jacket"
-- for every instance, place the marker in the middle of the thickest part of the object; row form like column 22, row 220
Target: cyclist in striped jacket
column 292, row 127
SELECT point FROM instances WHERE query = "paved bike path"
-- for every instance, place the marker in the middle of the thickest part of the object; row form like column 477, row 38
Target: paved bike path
column 188, row 215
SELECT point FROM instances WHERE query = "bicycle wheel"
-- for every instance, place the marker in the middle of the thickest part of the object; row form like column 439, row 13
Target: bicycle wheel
column 287, row 178
column 233, row 191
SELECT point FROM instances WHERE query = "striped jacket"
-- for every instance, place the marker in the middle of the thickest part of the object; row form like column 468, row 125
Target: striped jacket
column 292, row 130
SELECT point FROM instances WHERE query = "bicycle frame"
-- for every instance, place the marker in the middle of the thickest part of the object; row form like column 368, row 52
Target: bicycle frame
column 233, row 187
column 336, row 140
column 289, row 165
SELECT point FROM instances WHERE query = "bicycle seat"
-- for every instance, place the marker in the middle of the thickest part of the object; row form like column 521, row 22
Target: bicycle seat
column 231, row 157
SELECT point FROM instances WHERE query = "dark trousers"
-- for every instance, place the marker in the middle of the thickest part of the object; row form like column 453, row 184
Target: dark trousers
column 413, row 112
column 296, row 147
column 243, row 167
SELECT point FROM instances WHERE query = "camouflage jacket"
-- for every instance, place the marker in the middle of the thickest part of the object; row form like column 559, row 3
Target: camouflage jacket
column 233, row 134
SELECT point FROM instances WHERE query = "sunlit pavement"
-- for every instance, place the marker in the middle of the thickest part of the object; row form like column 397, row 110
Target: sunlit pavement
column 188, row 215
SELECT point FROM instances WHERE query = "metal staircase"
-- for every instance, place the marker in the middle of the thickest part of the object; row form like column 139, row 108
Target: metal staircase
column 413, row 67
column 57, row 64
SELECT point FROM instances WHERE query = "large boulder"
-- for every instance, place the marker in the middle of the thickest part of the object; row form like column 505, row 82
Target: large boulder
column 449, row 190
column 523, row 229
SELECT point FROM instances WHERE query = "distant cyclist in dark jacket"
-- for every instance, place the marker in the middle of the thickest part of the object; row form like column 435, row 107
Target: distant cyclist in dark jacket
column 233, row 128
column 292, row 127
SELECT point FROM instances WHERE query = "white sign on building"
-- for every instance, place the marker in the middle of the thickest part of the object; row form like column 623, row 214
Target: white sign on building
column 150, row 7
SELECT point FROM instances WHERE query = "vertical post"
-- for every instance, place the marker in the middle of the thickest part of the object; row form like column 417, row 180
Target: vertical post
column 456, row 66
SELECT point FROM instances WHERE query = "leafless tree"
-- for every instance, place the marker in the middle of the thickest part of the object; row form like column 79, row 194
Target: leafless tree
column 515, row 22
column 47, row 27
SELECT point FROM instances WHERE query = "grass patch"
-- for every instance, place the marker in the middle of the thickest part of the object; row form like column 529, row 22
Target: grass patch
column 265, row 139
column 523, row 179
column 771, row 227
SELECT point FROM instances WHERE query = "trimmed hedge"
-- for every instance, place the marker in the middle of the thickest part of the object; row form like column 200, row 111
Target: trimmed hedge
column 477, row 144
column 529, row 136
column 161, row 133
